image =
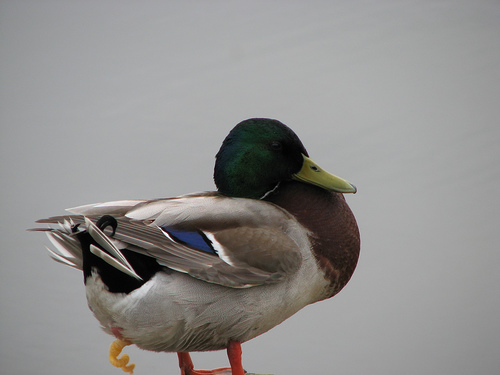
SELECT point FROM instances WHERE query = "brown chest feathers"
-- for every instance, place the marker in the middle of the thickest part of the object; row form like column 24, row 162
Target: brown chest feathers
column 335, row 235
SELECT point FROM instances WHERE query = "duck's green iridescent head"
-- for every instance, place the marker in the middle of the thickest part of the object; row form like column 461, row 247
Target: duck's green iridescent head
column 259, row 153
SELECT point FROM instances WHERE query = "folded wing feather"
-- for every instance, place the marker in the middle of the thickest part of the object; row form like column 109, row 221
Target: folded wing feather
column 249, row 236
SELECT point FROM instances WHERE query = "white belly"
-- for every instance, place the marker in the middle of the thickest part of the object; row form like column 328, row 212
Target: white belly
column 175, row 312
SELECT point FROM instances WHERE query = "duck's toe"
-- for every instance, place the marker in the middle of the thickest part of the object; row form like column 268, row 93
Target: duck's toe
column 123, row 362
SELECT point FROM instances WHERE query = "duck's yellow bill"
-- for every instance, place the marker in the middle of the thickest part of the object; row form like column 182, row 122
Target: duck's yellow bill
column 313, row 174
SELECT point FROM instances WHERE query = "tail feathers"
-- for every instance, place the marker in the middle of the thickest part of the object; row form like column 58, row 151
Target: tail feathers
column 115, row 258
column 114, row 262
column 67, row 248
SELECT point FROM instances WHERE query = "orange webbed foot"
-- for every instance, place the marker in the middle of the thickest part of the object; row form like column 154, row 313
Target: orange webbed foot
column 115, row 350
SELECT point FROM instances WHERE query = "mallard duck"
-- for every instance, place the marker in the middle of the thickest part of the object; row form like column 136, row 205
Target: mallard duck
column 211, row 270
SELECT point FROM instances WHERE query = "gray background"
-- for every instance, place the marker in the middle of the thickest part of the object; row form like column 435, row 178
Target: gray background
column 105, row 100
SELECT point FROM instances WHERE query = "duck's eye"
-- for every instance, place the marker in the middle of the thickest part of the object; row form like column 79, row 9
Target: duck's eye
column 275, row 145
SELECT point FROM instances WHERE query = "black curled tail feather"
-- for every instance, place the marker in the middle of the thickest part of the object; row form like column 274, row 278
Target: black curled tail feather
column 105, row 221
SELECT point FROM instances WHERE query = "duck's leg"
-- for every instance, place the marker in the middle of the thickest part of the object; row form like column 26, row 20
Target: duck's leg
column 187, row 367
column 185, row 363
column 114, row 351
column 233, row 353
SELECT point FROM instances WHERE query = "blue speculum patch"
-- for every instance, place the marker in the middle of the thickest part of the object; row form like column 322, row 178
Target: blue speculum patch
column 197, row 239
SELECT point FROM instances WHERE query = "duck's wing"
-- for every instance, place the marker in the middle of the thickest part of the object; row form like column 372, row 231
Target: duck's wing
column 228, row 241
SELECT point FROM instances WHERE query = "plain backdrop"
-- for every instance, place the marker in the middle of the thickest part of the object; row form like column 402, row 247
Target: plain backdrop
column 106, row 100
